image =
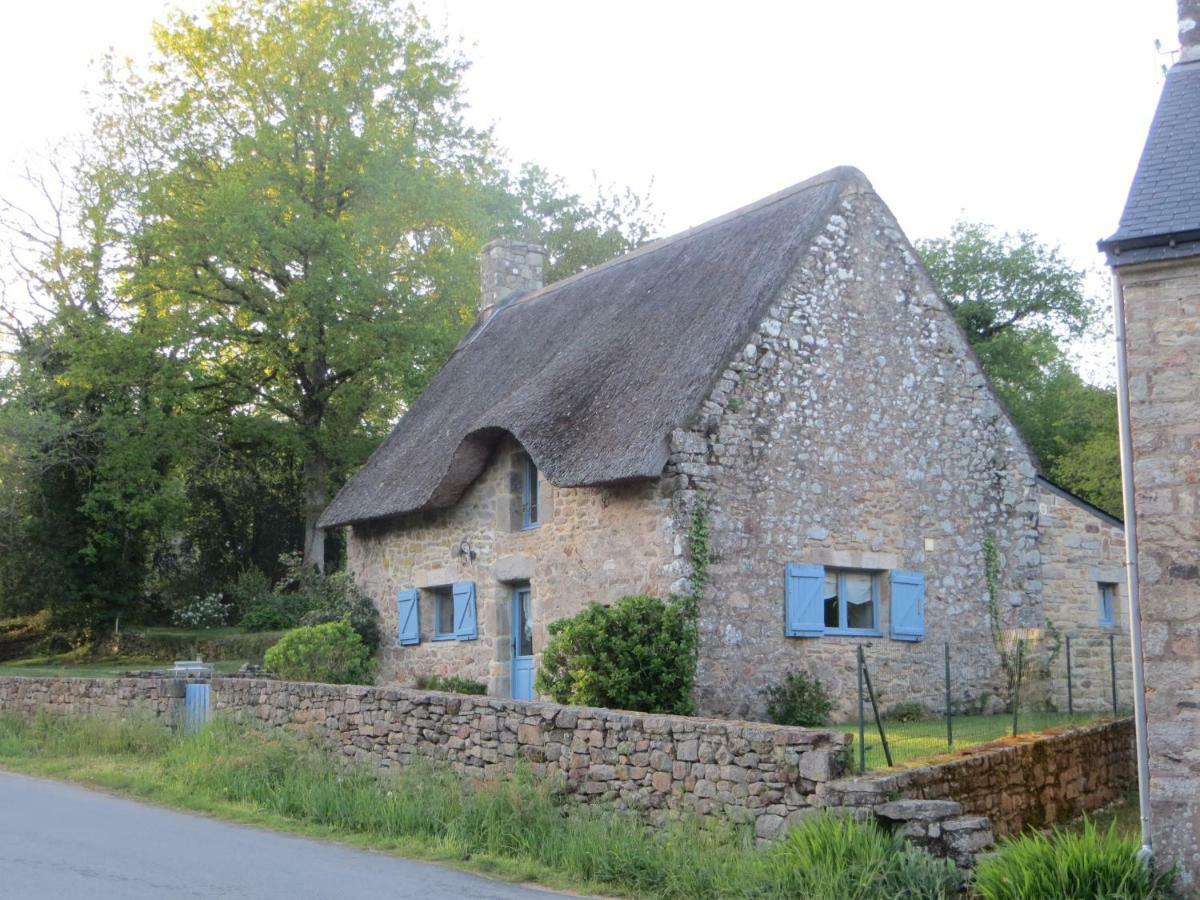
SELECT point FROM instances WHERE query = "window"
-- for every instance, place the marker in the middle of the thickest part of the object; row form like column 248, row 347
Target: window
column 819, row 601
column 529, row 494
column 443, row 613
column 851, row 602
column 1107, row 592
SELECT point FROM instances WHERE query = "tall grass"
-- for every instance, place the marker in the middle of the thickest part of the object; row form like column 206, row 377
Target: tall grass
column 519, row 824
column 1067, row 865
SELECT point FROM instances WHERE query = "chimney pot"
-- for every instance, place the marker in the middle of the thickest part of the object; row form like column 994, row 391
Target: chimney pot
column 507, row 269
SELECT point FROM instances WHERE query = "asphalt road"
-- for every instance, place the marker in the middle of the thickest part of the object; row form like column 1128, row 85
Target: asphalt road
column 59, row 841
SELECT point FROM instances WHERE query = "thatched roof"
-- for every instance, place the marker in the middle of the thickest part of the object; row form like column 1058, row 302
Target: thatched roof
column 591, row 374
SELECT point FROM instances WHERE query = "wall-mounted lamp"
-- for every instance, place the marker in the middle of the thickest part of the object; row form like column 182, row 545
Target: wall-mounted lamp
column 464, row 549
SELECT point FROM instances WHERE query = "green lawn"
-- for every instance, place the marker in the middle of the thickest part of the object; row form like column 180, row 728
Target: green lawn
column 51, row 667
column 197, row 634
column 912, row 742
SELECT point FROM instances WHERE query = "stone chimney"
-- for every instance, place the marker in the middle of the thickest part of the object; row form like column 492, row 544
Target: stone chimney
column 1189, row 30
column 508, row 268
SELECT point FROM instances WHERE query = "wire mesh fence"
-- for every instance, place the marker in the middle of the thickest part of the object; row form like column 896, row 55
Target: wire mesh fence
column 1082, row 680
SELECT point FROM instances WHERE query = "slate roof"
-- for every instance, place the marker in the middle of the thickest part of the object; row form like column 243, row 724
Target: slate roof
column 1162, row 214
column 591, row 374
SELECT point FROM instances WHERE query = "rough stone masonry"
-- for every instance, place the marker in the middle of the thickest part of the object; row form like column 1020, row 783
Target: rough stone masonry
column 767, row 776
column 852, row 429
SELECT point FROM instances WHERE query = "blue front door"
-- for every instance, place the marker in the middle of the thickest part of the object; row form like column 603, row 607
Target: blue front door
column 522, row 638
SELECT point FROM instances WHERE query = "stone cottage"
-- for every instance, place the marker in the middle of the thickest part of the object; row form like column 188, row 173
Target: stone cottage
column 1155, row 255
column 790, row 364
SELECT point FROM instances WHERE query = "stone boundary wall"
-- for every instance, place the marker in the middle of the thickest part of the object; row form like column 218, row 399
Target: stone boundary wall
column 768, row 775
column 1032, row 783
column 748, row 772
column 160, row 697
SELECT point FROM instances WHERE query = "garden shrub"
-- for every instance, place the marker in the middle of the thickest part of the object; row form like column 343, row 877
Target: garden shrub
column 637, row 654
column 798, row 700
column 304, row 596
column 1069, row 866
column 453, row 684
column 272, row 612
column 201, row 612
column 250, row 586
column 331, row 652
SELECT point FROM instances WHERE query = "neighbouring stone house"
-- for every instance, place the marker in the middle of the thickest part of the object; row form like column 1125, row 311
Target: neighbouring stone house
column 1155, row 255
column 790, row 364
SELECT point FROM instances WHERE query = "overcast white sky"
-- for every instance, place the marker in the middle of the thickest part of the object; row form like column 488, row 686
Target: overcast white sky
column 1028, row 114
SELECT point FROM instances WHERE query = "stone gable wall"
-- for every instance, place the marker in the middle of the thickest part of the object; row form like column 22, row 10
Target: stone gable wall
column 1079, row 549
column 856, row 430
column 594, row 544
column 1162, row 309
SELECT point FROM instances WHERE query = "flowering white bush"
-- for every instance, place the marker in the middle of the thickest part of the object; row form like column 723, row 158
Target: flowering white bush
column 201, row 612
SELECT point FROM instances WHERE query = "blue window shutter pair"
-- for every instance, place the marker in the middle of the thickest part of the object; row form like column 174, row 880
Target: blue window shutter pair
column 908, row 606
column 465, row 628
column 804, row 599
column 408, row 615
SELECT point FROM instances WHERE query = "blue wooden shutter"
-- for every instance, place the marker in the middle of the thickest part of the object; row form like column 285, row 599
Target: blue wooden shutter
column 804, row 601
column 908, row 606
column 408, row 615
column 465, row 628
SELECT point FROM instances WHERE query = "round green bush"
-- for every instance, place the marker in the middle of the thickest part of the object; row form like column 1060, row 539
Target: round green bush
column 798, row 700
column 637, row 654
column 331, row 652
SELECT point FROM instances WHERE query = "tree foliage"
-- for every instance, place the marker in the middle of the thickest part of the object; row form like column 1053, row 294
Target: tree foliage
column 262, row 253
column 1020, row 303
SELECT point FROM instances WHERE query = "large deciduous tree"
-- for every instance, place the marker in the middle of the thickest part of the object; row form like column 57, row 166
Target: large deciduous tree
column 1020, row 303
column 269, row 245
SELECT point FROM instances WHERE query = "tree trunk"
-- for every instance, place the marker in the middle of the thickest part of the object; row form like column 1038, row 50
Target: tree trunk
column 316, row 496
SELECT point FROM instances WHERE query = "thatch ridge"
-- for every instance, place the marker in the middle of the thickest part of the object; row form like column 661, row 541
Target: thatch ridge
column 592, row 373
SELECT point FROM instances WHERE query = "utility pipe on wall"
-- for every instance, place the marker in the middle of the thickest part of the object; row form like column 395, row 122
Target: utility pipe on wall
column 1131, row 572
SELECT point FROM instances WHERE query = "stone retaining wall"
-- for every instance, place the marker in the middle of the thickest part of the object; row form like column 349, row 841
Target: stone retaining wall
column 1032, row 783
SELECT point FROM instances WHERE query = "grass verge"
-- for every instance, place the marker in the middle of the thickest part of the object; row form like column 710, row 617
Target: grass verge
column 517, row 827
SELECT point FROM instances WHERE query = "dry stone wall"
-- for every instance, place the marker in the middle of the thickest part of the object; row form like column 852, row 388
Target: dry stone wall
column 769, row 776
column 746, row 772
column 161, row 698
column 1031, row 782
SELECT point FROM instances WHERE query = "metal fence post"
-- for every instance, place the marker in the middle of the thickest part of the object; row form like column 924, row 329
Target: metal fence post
column 887, row 751
column 949, row 709
column 1112, row 665
column 1070, row 690
column 862, row 727
column 1016, row 698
